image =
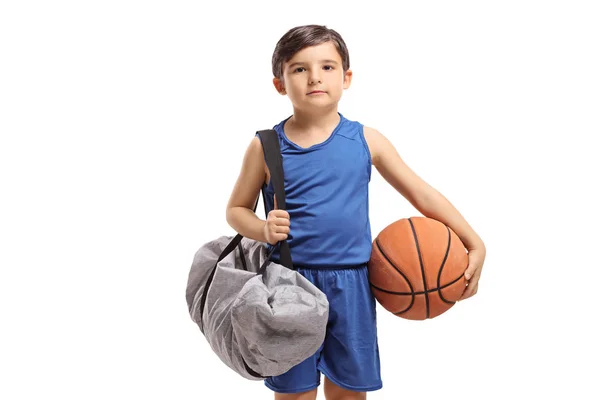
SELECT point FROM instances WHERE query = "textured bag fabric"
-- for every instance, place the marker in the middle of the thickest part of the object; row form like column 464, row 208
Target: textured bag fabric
column 267, row 322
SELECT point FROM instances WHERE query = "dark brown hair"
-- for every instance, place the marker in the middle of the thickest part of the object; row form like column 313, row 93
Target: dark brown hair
column 300, row 37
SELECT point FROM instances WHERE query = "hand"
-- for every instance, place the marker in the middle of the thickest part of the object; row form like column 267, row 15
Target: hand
column 277, row 225
column 473, row 272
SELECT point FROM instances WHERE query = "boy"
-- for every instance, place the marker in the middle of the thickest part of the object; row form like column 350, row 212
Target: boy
column 327, row 167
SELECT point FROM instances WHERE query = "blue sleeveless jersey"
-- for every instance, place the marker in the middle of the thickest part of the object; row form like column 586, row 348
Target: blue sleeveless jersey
column 327, row 197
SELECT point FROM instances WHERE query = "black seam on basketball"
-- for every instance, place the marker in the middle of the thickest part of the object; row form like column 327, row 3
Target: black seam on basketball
column 400, row 312
column 402, row 294
column 422, row 267
column 412, row 291
column 415, row 293
column 394, row 265
column 439, row 278
column 387, row 291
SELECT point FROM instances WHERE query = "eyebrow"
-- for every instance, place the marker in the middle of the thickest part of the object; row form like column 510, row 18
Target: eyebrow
column 322, row 61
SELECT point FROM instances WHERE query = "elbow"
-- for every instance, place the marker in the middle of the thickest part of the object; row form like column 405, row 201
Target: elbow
column 232, row 215
column 228, row 214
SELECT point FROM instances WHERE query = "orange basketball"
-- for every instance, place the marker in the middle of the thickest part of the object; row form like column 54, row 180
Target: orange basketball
column 417, row 266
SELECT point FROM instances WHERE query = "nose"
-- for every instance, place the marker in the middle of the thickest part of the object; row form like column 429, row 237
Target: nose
column 315, row 77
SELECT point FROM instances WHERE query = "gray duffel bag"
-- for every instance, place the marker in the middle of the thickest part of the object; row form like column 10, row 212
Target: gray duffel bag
column 261, row 318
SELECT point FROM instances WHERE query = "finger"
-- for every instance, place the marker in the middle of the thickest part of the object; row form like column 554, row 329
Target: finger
column 282, row 229
column 475, row 263
column 471, row 269
column 474, row 290
column 281, row 214
column 475, row 278
column 469, row 291
column 282, row 221
column 280, row 236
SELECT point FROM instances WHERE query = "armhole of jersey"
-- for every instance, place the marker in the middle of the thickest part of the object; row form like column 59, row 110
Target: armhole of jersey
column 366, row 147
column 264, row 186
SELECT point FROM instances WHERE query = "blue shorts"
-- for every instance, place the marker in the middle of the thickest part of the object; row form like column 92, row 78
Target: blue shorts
column 349, row 355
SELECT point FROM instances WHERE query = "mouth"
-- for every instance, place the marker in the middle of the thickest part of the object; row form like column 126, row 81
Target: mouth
column 317, row 92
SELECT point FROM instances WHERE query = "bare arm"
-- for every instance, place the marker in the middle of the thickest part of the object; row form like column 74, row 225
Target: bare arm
column 428, row 201
column 419, row 193
column 240, row 215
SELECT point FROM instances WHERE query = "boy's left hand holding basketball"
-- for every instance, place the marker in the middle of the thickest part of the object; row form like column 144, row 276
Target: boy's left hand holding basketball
column 473, row 272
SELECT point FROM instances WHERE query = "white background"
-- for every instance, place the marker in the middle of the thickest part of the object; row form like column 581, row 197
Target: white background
column 123, row 125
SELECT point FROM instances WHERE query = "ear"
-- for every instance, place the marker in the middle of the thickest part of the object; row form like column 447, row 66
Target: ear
column 347, row 79
column 279, row 86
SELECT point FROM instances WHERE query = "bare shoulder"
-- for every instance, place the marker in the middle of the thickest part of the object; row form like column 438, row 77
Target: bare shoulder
column 377, row 143
column 255, row 158
column 254, row 148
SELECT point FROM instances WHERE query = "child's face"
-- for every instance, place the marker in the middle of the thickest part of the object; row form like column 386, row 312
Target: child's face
column 315, row 68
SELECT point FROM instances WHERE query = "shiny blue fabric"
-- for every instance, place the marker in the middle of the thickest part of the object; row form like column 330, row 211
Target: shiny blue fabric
column 349, row 355
column 327, row 197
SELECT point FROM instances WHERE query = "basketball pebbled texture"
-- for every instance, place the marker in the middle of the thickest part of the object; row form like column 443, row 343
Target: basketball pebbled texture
column 417, row 266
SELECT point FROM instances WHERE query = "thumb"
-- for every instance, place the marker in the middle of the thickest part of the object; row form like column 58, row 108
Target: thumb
column 471, row 268
column 475, row 262
column 275, row 202
column 469, row 271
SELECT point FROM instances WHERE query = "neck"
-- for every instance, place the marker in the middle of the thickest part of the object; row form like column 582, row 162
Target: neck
column 311, row 121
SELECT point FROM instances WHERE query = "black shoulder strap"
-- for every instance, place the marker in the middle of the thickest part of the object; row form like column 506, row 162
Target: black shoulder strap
column 272, row 151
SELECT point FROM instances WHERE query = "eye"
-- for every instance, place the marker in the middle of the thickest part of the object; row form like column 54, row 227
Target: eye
column 328, row 67
column 298, row 69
